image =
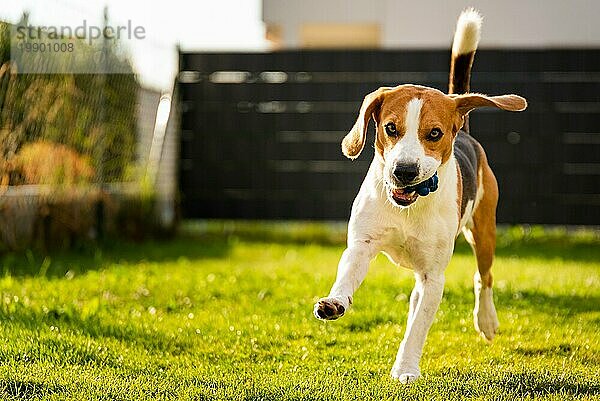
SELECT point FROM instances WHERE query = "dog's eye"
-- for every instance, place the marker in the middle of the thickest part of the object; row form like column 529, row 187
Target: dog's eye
column 390, row 129
column 435, row 135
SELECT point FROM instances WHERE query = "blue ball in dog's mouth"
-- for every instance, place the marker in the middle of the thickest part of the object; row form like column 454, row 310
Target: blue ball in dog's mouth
column 408, row 195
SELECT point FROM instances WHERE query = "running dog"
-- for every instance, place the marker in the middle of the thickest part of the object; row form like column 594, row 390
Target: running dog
column 429, row 180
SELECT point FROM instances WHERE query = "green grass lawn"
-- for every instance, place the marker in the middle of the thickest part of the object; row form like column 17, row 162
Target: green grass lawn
column 225, row 313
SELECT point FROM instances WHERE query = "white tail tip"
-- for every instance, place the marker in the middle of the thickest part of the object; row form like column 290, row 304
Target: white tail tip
column 468, row 32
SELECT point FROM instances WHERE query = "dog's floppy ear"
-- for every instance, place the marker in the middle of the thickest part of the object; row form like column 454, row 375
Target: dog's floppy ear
column 354, row 142
column 467, row 102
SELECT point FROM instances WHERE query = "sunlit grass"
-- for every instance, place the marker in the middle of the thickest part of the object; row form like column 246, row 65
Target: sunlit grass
column 226, row 313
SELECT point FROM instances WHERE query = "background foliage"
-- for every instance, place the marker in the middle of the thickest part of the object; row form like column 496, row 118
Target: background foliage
column 94, row 115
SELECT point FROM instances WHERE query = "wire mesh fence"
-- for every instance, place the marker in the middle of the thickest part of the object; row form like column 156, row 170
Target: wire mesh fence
column 75, row 160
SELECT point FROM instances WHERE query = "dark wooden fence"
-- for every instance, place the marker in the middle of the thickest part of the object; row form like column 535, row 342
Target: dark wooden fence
column 261, row 132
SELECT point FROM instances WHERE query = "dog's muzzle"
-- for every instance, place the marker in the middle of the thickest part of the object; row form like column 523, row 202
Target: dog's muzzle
column 408, row 195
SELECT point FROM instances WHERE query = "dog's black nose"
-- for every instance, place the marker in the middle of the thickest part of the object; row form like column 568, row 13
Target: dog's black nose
column 406, row 173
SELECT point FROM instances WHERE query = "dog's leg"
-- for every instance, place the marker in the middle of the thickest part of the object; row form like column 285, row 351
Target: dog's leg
column 425, row 300
column 414, row 300
column 352, row 269
column 483, row 241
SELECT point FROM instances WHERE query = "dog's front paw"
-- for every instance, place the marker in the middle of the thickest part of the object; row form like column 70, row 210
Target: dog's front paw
column 329, row 309
column 405, row 377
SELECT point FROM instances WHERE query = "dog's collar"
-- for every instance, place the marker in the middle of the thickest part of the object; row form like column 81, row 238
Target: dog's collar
column 425, row 187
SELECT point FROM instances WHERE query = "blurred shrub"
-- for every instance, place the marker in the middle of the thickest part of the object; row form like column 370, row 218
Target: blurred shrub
column 48, row 163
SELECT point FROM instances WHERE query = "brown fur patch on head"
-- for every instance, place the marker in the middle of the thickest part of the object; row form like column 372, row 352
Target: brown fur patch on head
column 437, row 111
column 444, row 112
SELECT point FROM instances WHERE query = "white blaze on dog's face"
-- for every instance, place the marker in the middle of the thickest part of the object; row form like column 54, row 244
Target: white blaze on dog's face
column 406, row 162
column 415, row 131
column 416, row 127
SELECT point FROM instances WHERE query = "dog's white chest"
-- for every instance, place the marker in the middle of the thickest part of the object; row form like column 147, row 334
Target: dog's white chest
column 413, row 241
column 412, row 237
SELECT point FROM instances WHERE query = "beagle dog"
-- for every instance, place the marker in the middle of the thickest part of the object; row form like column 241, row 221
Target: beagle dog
column 429, row 180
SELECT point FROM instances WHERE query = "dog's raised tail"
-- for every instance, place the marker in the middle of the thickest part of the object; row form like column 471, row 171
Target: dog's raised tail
column 466, row 39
